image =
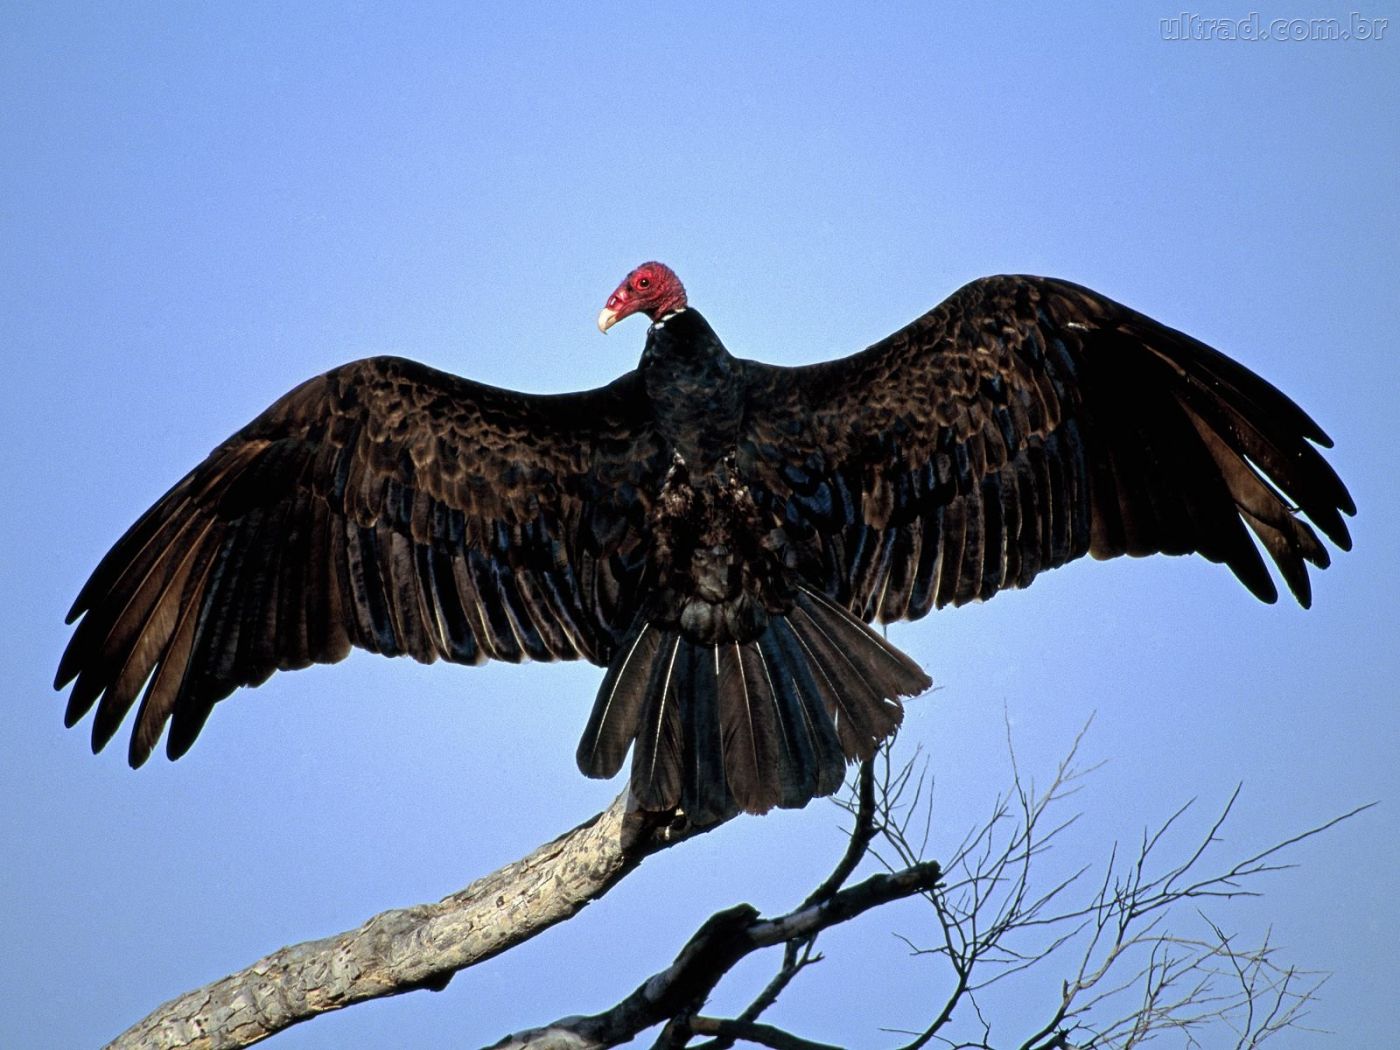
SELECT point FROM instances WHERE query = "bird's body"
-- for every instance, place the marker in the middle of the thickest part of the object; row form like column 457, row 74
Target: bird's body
column 715, row 531
column 696, row 389
column 737, row 684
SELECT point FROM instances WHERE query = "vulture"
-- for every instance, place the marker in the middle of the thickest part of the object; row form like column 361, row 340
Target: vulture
column 718, row 533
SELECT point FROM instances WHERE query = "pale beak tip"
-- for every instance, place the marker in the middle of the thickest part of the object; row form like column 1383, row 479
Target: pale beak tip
column 606, row 319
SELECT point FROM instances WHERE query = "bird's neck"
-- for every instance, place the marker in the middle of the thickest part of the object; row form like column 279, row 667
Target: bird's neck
column 695, row 387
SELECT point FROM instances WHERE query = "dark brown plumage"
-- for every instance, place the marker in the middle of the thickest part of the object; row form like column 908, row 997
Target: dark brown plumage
column 716, row 532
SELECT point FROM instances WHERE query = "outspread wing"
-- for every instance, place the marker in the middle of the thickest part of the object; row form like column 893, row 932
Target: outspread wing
column 1023, row 423
column 383, row 505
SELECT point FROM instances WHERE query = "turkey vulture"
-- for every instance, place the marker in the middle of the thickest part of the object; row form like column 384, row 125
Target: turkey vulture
column 718, row 533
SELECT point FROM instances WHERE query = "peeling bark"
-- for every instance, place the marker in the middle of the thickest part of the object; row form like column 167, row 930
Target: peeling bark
column 406, row 949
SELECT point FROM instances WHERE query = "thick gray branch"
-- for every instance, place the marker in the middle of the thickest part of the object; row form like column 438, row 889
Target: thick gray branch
column 409, row 948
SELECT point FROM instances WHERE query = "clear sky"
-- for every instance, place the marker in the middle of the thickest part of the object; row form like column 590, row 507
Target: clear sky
column 202, row 205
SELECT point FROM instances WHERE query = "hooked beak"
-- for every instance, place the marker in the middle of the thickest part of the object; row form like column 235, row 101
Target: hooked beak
column 618, row 306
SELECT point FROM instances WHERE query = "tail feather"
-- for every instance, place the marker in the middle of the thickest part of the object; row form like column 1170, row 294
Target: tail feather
column 748, row 725
column 890, row 669
column 659, row 758
column 817, row 763
column 705, row 796
column 853, row 702
column 617, row 712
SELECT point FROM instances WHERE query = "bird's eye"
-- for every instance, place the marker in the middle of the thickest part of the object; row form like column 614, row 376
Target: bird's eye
column 643, row 282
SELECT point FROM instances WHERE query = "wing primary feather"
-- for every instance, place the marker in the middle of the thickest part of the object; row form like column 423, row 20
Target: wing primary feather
column 158, row 701
column 126, row 602
column 148, row 649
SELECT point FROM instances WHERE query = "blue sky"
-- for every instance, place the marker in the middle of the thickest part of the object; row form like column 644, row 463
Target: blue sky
column 201, row 206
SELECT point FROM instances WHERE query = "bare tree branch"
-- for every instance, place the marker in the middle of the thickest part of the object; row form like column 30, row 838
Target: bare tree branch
column 1127, row 975
column 861, row 836
column 761, row 1034
column 801, row 953
column 410, row 948
column 990, row 925
column 674, row 994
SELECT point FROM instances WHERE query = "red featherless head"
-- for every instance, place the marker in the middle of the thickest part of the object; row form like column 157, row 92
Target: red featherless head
column 652, row 289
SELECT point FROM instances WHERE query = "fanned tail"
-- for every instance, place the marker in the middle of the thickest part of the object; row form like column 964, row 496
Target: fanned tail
column 747, row 725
